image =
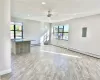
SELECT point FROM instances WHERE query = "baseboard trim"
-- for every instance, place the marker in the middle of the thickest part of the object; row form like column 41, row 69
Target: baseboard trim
column 59, row 46
column 5, row 72
column 78, row 51
column 84, row 53
column 35, row 45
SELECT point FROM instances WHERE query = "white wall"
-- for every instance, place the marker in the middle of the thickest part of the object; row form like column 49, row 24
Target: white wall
column 89, row 44
column 32, row 29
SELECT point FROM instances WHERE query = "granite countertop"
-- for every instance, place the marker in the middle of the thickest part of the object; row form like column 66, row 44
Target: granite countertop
column 21, row 40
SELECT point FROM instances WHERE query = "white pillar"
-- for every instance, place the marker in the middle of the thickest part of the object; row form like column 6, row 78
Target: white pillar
column 5, row 43
column 50, row 32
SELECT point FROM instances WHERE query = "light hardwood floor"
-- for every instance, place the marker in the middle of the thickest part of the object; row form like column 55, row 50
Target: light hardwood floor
column 53, row 63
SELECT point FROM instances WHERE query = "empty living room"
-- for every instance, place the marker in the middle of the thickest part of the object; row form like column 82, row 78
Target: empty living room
column 50, row 40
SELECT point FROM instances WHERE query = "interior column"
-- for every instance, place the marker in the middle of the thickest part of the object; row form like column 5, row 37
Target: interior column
column 50, row 32
column 5, row 43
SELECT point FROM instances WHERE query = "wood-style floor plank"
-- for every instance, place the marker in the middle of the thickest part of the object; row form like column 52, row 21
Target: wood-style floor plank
column 53, row 63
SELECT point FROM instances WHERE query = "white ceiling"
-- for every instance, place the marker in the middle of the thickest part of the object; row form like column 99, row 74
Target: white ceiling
column 61, row 9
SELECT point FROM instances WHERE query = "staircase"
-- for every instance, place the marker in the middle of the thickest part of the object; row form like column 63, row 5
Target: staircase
column 45, row 38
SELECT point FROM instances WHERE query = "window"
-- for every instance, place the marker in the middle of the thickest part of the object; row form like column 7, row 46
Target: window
column 56, row 29
column 16, row 30
column 12, row 30
column 61, row 32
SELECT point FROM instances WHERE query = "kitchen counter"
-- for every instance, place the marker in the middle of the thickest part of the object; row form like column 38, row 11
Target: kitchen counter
column 20, row 46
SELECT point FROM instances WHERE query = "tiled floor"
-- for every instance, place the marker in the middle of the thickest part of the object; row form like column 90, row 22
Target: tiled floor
column 53, row 63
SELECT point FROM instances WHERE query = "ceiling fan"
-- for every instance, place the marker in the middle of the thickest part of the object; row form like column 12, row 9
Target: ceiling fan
column 52, row 15
column 49, row 14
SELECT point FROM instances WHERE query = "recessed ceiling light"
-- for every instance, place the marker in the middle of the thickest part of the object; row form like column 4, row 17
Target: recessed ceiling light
column 43, row 3
column 28, row 15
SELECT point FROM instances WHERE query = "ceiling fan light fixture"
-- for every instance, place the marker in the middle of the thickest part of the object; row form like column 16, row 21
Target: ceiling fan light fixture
column 49, row 14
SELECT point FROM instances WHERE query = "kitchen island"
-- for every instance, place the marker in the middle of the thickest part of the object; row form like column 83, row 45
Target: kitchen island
column 20, row 46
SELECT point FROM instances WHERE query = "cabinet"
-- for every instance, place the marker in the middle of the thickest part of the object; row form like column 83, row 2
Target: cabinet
column 22, row 46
